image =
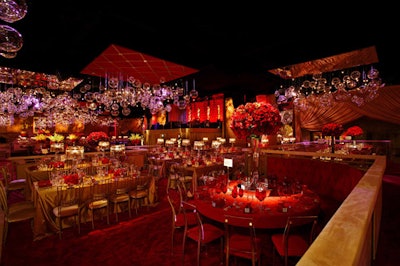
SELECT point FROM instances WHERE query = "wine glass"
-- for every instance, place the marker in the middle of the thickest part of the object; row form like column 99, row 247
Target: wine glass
column 234, row 194
column 241, row 191
column 261, row 194
column 224, row 187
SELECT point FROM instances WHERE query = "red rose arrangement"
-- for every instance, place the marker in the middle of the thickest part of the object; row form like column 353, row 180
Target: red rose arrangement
column 354, row 131
column 94, row 137
column 256, row 118
column 104, row 160
column 56, row 164
column 71, row 179
column 332, row 129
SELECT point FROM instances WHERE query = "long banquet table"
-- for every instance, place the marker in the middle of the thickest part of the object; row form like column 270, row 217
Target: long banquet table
column 35, row 174
column 44, row 197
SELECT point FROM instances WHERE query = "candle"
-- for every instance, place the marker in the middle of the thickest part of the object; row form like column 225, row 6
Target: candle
column 185, row 142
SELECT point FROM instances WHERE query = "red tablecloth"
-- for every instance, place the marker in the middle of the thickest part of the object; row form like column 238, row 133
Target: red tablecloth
column 274, row 213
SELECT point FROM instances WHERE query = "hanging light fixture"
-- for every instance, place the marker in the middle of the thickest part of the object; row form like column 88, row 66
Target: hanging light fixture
column 11, row 40
column 25, row 93
column 356, row 85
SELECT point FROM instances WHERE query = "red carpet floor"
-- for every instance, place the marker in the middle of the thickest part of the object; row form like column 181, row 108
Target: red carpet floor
column 145, row 240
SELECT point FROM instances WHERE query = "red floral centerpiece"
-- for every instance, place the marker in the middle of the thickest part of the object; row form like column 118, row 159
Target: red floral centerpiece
column 94, row 137
column 73, row 138
column 353, row 131
column 71, row 179
column 332, row 129
column 255, row 119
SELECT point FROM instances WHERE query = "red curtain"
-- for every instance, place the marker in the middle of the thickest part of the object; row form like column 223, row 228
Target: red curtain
column 211, row 109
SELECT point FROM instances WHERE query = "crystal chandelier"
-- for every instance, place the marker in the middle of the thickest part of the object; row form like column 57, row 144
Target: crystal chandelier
column 117, row 97
column 356, row 85
column 26, row 94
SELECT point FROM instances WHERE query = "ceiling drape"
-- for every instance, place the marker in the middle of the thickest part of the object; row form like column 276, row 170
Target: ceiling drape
column 385, row 107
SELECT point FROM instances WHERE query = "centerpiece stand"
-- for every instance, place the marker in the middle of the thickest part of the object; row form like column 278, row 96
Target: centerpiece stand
column 249, row 122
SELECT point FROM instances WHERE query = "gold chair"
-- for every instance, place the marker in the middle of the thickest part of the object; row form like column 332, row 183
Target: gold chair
column 298, row 235
column 68, row 204
column 183, row 176
column 156, row 168
column 240, row 241
column 140, row 192
column 172, row 176
column 99, row 199
column 119, row 196
column 186, row 195
column 18, row 184
column 16, row 212
column 202, row 233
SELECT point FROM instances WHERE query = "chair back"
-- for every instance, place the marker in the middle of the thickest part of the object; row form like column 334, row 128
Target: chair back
column 180, row 186
column 241, row 241
column 100, row 189
column 69, row 195
column 121, row 185
column 300, row 225
column 155, row 168
column 188, row 209
column 141, row 183
column 3, row 198
column 6, row 175
column 173, row 200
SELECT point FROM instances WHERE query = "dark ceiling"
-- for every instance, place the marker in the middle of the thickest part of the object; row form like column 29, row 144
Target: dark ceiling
column 233, row 48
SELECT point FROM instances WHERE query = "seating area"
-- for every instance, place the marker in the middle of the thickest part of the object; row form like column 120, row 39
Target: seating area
column 332, row 181
column 343, row 179
column 149, row 229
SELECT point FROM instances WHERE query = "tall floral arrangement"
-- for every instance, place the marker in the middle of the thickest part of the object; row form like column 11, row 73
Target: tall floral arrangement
column 332, row 129
column 353, row 131
column 56, row 137
column 135, row 138
column 73, row 138
column 255, row 119
column 41, row 136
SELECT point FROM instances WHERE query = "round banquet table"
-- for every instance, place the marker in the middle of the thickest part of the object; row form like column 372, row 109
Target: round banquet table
column 274, row 213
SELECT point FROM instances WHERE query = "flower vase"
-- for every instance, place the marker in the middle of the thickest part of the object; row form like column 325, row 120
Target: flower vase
column 354, row 142
column 255, row 145
column 332, row 144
